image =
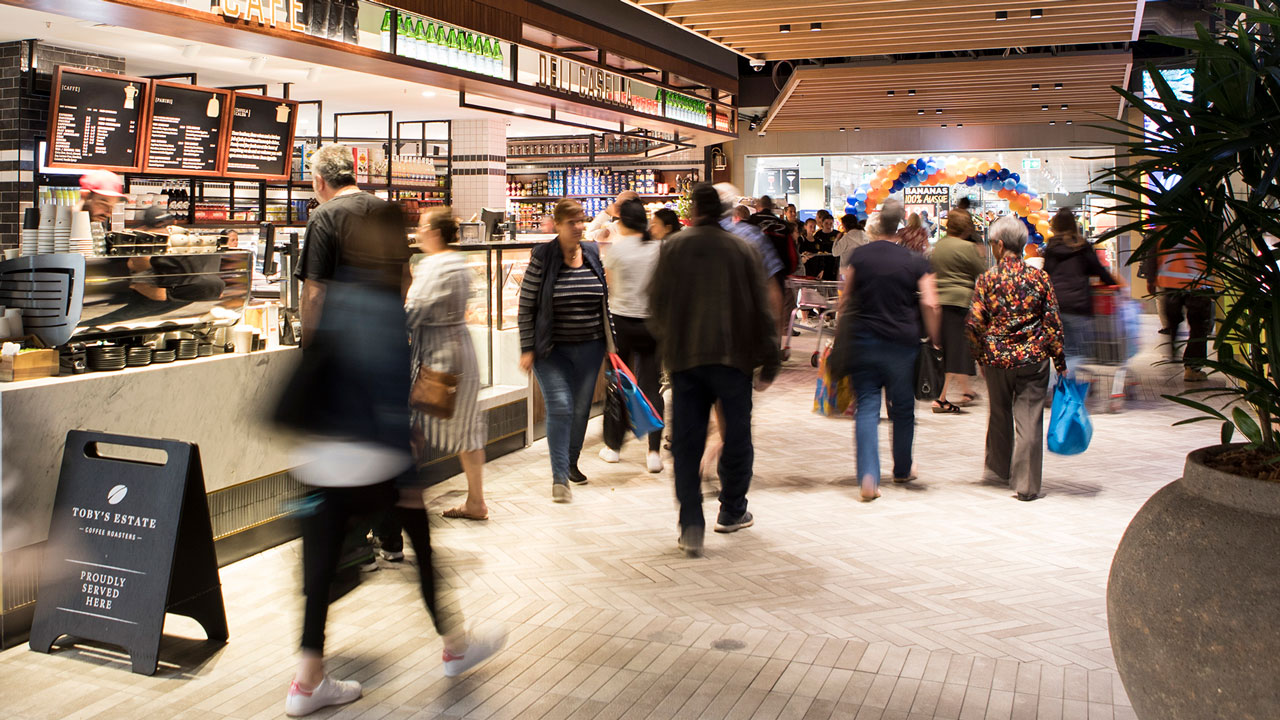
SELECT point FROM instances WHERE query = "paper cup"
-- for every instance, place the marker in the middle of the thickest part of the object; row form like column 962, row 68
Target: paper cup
column 11, row 254
column 13, row 316
column 62, row 220
column 80, row 226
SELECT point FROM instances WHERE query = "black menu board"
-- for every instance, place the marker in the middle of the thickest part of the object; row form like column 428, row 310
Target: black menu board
column 186, row 129
column 95, row 120
column 260, row 142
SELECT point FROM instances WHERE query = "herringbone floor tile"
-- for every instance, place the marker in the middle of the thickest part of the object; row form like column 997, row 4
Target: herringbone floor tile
column 944, row 599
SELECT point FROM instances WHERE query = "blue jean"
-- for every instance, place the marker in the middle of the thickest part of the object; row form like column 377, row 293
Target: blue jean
column 693, row 393
column 881, row 364
column 568, row 379
column 1077, row 332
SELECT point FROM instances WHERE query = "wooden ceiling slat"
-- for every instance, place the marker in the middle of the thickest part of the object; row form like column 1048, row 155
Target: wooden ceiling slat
column 901, row 41
column 852, row 20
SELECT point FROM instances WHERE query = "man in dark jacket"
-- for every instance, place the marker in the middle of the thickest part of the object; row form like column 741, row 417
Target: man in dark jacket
column 712, row 318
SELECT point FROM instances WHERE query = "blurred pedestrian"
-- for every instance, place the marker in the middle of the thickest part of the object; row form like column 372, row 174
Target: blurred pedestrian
column 628, row 269
column 852, row 238
column 957, row 262
column 914, row 237
column 351, row 397
column 664, row 222
column 891, row 292
column 1015, row 330
column 563, row 319
column 1071, row 262
column 708, row 279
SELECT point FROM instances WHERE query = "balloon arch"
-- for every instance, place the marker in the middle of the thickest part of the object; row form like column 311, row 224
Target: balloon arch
column 1023, row 201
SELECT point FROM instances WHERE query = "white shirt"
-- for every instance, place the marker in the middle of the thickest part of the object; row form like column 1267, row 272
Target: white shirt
column 600, row 229
column 849, row 241
column 630, row 262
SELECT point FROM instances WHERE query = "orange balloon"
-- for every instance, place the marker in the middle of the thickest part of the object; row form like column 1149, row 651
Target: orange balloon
column 996, row 167
column 1035, row 204
column 1031, row 251
column 970, row 170
column 1004, row 193
column 1043, row 227
column 984, row 167
column 1032, row 217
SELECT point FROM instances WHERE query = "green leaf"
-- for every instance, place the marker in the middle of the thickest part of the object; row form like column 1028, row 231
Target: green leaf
column 1228, row 431
column 1247, row 426
column 1196, row 406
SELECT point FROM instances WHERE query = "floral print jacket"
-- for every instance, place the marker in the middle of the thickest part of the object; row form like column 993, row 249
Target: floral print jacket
column 1013, row 319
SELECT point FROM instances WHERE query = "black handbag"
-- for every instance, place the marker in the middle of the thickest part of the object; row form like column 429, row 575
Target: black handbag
column 929, row 374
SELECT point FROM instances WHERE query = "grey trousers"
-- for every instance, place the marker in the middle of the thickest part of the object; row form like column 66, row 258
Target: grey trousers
column 1015, row 427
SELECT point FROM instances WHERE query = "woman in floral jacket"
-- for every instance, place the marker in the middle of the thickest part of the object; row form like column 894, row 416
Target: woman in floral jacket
column 1015, row 330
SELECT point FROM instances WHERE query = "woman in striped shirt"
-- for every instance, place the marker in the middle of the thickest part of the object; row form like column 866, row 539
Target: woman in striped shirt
column 563, row 320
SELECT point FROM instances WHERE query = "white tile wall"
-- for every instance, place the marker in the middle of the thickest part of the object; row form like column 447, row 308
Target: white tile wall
column 473, row 192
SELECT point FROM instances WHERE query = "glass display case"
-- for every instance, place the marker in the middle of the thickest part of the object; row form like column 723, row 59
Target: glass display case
column 498, row 269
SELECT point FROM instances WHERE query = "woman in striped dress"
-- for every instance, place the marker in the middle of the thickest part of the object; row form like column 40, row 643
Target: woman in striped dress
column 436, row 306
column 563, row 321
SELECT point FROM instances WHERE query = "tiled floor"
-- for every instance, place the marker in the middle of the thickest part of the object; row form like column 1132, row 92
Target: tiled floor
column 944, row 599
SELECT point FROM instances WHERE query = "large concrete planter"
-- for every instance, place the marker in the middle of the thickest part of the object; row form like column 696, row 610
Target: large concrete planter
column 1194, row 599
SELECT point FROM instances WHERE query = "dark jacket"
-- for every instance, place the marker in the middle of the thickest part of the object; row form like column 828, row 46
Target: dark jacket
column 1069, row 270
column 709, row 305
column 537, row 314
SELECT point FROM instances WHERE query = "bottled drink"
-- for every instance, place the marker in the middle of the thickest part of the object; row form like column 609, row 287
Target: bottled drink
column 386, row 31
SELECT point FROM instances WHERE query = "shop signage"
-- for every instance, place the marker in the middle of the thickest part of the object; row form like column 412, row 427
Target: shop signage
column 95, row 120
column 186, row 129
column 129, row 541
column 925, row 195
column 771, row 181
column 260, row 141
column 791, row 180
column 284, row 14
column 1030, row 163
column 332, row 19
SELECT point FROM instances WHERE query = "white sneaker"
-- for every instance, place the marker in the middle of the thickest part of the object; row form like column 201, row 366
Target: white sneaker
column 609, row 455
column 561, row 493
column 300, row 702
column 655, row 462
column 482, row 645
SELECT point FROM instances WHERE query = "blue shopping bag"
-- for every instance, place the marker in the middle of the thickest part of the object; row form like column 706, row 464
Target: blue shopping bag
column 1070, row 428
column 640, row 413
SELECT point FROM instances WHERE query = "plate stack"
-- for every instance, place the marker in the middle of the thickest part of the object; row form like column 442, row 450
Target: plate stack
column 164, row 356
column 107, row 357
column 138, row 356
column 188, row 349
column 30, row 244
column 206, row 349
column 62, row 229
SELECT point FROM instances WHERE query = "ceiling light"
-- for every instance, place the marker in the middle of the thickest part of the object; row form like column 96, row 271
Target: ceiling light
column 784, row 28
column 889, row 93
column 313, row 75
column 428, row 93
column 1057, row 86
column 1035, row 86
column 1068, row 122
column 912, row 93
column 190, row 51
column 518, row 110
column 1037, row 13
column 841, row 129
column 1064, row 106
column 920, row 112
column 1044, row 107
column 944, row 124
column 1053, row 122
column 1001, row 15
column 857, row 129
column 815, row 27
column 959, row 124
column 257, row 63
column 938, row 111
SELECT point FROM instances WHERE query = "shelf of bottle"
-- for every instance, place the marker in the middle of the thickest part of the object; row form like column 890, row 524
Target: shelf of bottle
column 548, row 198
column 639, row 155
column 378, row 185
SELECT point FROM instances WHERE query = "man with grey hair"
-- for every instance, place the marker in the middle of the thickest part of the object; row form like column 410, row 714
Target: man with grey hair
column 1015, row 331
column 892, row 213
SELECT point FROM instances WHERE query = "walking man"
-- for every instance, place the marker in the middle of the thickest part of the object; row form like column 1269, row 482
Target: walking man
column 712, row 318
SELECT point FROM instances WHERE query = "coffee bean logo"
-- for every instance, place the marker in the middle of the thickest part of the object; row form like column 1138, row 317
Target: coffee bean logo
column 116, row 494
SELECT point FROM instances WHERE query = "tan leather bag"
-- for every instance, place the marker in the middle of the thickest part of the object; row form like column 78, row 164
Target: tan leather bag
column 434, row 393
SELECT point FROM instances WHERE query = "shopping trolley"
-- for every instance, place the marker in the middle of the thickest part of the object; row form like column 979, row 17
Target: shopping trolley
column 1114, row 340
column 821, row 296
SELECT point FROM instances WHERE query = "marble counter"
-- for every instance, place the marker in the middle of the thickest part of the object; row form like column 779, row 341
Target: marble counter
column 216, row 402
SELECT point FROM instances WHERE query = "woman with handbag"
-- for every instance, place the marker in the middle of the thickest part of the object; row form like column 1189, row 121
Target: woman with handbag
column 446, row 415
column 563, row 320
column 629, row 268
column 891, row 292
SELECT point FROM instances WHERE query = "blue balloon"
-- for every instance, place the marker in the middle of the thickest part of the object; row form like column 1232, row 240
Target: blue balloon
column 1033, row 194
column 860, row 196
column 1016, row 178
column 970, row 182
column 850, row 210
column 1003, row 174
column 1010, row 184
column 921, row 164
column 1021, row 187
column 851, row 199
column 897, row 186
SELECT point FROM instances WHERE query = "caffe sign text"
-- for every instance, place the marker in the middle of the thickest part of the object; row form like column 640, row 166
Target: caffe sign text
column 285, row 14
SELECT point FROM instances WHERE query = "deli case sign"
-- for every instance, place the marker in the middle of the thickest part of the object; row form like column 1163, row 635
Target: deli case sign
column 260, row 139
column 186, row 130
column 96, row 120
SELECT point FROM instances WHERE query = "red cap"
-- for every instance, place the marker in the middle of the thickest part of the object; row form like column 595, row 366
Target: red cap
column 102, row 182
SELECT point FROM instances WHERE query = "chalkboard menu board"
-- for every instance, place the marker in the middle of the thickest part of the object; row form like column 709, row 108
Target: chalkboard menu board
column 95, row 120
column 261, row 138
column 186, row 129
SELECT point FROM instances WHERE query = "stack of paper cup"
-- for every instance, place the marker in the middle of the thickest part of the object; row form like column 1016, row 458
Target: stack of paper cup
column 62, row 230
column 30, row 243
column 13, row 316
column 81, row 240
column 48, row 217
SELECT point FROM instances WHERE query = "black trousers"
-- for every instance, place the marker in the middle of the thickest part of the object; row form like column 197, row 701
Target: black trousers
column 1199, row 311
column 693, row 392
column 1015, row 427
column 639, row 350
column 324, row 525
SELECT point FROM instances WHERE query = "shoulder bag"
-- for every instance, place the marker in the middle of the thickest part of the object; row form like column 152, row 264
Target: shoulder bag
column 434, row 393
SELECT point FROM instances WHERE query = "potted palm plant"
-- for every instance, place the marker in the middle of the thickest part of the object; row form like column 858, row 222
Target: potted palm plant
column 1194, row 595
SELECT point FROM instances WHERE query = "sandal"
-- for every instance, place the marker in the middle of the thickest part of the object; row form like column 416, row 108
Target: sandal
column 459, row 513
column 942, row 407
column 967, row 399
